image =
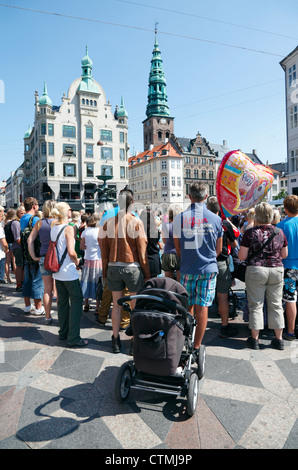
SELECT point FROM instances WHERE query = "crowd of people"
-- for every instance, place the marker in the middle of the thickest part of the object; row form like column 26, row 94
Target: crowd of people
column 105, row 256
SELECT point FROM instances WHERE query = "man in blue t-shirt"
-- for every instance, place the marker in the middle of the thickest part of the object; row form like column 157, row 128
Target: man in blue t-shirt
column 290, row 228
column 33, row 283
column 198, row 241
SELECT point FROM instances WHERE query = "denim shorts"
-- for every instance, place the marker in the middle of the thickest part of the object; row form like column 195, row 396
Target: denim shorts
column 200, row 288
column 43, row 271
column 119, row 277
column 33, row 284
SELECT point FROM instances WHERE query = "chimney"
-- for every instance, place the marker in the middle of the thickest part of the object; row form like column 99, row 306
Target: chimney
column 254, row 152
column 224, row 143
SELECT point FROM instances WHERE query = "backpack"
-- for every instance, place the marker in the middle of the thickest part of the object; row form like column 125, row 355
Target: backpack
column 8, row 232
column 24, row 243
column 51, row 261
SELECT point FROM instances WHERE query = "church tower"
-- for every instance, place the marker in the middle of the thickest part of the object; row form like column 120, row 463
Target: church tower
column 159, row 125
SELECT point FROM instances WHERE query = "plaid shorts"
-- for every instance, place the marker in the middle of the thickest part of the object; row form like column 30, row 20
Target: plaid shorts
column 200, row 288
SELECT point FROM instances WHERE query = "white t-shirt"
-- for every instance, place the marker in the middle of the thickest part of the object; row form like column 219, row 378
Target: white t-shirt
column 92, row 251
column 2, row 235
column 68, row 271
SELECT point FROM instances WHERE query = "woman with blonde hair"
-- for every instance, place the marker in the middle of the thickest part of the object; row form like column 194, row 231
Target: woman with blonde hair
column 265, row 246
column 42, row 229
column 70, row 297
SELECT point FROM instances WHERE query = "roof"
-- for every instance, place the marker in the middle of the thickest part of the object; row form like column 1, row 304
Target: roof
column 282, row 62
column 155, row 152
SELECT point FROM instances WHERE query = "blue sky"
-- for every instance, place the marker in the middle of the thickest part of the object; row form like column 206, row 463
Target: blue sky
column 227, row 93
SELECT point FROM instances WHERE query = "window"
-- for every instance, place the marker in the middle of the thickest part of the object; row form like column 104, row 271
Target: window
column 89, row 132
column 69, row 170
column 195, row 160
column 159, row 135
column 163, row 164
column 173, row 181
column 69, row 150
column 89, row 170
column 199, row 150
column 122, row 154
column 121, row 135
column 196, row 174
column 106, row 135
column 51, row 169
column 211, row 175
column 187, row 173
column 51, row 129
column 43, row 148
column 51, row 148
column 294, row 160
column 203, row 161
column 122, row 172
column 172, row 163
column 204, row 174
column 89, row 151
column 164, row 181
column 178, row 180
column 107, row 170
column 178, row 164
column 106, row 153
column 43, row 129
column 292, row 74
column 293, row 116
column 187, row 159
column 69, row 131
column 154, row 166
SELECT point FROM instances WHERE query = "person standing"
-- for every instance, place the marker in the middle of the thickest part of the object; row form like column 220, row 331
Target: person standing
column 92, row 267
column 124, row 258
column 170, row 262
column 198, row 240
column 266, row 246
column 42, row 229
column 70, row 297
column 224, row 277
column 16, row 247
column 289, row 225
column 3, row 246
column 32, row 285
column 9, row 260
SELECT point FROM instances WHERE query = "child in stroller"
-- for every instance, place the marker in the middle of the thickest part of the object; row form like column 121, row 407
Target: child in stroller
column 163, row 344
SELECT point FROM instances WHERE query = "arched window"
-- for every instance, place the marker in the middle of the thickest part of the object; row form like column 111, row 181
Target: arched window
column 83, row 101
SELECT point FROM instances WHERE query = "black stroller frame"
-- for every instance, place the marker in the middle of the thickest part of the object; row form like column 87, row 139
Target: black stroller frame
column 165, row 360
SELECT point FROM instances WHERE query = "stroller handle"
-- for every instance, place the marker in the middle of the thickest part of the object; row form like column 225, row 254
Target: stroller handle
column 168, row 303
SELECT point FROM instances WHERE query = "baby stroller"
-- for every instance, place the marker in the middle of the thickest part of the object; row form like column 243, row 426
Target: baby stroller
column 163, row 344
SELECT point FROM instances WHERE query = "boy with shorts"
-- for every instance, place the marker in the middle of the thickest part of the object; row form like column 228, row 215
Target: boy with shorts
column 198, row 241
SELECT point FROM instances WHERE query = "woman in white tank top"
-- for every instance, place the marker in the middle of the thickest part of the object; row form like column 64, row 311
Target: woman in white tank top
column 69, row 291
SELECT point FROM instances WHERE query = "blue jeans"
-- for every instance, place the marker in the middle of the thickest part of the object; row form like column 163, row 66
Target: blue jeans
column 2, row 268
column 33, row 283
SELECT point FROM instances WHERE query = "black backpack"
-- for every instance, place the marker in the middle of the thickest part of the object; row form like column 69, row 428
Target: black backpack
column 8, row 232
column 24, row 243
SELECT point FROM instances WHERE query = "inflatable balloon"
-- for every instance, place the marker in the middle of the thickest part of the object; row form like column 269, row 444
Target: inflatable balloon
column 241, row 184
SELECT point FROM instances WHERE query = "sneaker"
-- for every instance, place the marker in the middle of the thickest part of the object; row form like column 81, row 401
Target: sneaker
column 39, row 311
column 228, row 331
column 29, row 309
column 277, row 344
column 252, row 343
column 116, row 344
column 288, row 336
column 48, row 321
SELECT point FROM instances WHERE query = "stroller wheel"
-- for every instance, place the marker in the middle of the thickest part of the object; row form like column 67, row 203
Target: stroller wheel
column 192, row 396
column 201, row 360
column 123, row 382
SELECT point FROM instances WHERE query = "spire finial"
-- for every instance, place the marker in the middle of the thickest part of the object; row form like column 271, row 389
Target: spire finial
column 155, row 29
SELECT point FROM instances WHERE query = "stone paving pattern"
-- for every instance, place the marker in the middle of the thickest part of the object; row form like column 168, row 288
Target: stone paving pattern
column 54, row 397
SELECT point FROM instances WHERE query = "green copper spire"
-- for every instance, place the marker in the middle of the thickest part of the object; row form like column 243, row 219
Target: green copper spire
column 122, row 111
column 45, row 99
column 157, row 96
column 87, row 83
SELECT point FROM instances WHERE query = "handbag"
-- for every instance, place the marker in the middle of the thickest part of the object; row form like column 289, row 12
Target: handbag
column 240, row 269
